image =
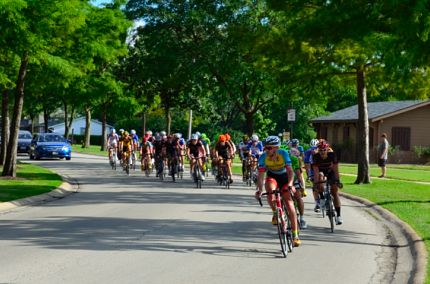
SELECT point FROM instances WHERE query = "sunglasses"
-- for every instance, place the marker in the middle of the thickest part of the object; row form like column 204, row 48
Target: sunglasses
column 270, row 147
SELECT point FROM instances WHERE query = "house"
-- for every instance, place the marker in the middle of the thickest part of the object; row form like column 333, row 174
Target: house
column 78, row 127
column 406, row 123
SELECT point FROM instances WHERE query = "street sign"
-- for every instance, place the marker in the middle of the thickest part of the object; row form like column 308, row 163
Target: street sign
column 291, row 114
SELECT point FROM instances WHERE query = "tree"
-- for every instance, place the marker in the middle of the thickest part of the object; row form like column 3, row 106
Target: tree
column 37, row 29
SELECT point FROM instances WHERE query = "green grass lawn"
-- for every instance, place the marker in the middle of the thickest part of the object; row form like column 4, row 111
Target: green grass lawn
column 401, row 172
column 92, row 150
column 31, row 180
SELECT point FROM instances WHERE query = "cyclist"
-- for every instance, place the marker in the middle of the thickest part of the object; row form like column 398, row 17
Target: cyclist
column 277, row 164
column 295, row 164
column 224, row 153
column 146, row 151
column 243, row 154
column 230, row 142
column 120, row 139
column 182, row 151
column 195, row 150
column 255, row 148
column 297, row 150
column 159, row 151
column 172, row 150
column 127, row 144
column 206, row 143
column 309, row 172
column 135, row 143
column 325, row 162
column 112, row 143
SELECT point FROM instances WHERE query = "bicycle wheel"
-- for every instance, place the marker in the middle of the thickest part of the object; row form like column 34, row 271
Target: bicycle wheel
column 330, row 212
column 127, row 169
column 282, row 232
column 173, row 170
column 289, row 233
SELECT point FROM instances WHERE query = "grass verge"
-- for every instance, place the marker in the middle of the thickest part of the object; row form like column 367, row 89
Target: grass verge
column 407, row 200
column 31, row 180
column 92, row 150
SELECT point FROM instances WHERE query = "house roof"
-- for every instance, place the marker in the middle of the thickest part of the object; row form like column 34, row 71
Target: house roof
column 376, row 111
column 93, row 121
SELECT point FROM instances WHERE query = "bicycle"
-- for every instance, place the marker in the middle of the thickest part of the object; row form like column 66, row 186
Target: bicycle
column 133, row 161
column 146, row 165
column 174, row 167
column 224, row 179
column 285, row 233
column 196, row 174
column 160, row 167
column 126, row 165
column 327, row 204
column 113, row 158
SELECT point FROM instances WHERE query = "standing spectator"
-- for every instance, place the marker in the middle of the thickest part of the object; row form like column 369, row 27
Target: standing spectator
column 383, row 154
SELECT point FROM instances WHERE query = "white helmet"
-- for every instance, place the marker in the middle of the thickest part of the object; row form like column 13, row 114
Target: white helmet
column 314, row 142
column 133, row 131
column 163, row 133
column 113, row 131
column 254, row 138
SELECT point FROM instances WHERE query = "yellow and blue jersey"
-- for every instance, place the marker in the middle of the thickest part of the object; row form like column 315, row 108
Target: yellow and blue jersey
column 276, row 165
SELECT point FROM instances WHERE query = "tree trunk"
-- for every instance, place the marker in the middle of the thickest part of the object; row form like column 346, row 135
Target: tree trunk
column 9, row 168
column 362, row 131
column 87, row 128
column 249, row 118
column 70, row 121
column 46, row 119
column 66, row 122
column 103, row 147
column 4, row 125
column 143, row 123
column 168, row 119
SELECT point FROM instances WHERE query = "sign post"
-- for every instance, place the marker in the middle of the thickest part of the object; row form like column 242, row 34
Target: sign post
column 291, row 117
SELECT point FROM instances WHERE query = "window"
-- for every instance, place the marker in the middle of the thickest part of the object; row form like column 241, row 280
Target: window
column 401, row 136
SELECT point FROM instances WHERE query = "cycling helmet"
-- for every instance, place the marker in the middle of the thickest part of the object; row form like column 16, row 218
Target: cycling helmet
column 272, row 141
column 113, row 131
column 254, row 138
column 227, row 136
column 222, row 138
column 295, row 142
column 198, row 134
column 149, row 133
column 125, row 133
column 203, row 136
column 245, row 138
column 178, row 135
column 121, row 130
column 157, row 137
column 314, row 142
column 194, row 137
column 133, row 131
column 163, row 133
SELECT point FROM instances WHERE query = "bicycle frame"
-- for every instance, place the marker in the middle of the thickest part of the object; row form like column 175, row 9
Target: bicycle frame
column 285, row 234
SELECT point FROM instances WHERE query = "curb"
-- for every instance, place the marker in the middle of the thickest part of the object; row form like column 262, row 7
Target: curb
column 415, row 242
column 62, row 191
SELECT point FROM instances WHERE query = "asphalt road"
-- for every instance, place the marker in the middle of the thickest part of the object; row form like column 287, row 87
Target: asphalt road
column 120, row 229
